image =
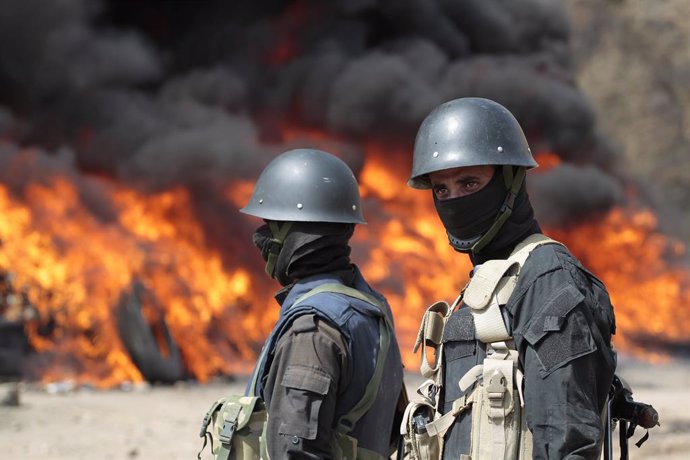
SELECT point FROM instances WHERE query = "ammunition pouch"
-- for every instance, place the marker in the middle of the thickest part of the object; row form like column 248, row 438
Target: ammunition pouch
column 237, row 427
column 421, row 442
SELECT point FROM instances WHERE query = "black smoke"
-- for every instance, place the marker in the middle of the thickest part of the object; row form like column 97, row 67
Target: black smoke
column 198, row 93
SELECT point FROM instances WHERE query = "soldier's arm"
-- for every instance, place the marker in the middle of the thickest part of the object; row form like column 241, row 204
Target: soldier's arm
column 568, row 369
column 302, row 388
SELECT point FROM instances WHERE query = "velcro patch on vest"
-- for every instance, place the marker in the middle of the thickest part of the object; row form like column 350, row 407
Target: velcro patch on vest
column 459, row 336
column 484, row 282
column 560, row 333
column 459, row 327
column 552, row 317
column 553, row 323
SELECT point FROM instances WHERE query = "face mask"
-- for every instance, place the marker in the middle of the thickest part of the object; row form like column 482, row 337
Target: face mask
column 473, row 222
column 269, row 240
column 306, row 248
column 467, row 218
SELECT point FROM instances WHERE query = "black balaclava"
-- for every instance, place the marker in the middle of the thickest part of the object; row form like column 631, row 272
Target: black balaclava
column 468, row 218
column 309, row 248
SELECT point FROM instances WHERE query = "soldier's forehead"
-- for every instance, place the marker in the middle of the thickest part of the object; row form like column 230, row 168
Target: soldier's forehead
column 462, row 172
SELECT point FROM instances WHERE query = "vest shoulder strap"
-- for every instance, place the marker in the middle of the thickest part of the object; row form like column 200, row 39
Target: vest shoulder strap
column 492, row 285
column 345, row 290
column 523, row 249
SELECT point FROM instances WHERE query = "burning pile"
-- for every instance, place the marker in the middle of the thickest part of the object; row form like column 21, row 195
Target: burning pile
column 74, row 267
column 130, row 134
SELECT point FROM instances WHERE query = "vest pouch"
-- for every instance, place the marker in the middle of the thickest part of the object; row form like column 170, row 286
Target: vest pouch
column 236, row 427
column 499, row 426
column 419, row 442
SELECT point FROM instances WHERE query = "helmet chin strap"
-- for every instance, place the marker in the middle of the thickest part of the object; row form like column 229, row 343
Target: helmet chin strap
column 279, row 233
column 477, row 243
column 462, row 245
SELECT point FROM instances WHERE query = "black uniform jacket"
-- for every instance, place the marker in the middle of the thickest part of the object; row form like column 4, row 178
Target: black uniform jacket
column 562, row 320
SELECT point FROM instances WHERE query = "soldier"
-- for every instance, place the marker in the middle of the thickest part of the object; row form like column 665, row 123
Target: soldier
column 529, row 303
column 331, row 369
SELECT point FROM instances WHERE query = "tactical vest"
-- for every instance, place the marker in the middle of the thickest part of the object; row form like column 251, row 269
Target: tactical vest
column 363, row 406
column 492, row 390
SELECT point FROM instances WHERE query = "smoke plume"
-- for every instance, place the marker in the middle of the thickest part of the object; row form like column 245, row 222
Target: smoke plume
column 161, row 94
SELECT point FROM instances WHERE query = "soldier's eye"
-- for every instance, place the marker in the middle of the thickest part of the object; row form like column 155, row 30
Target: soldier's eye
column 441, row 191
column 470, row 185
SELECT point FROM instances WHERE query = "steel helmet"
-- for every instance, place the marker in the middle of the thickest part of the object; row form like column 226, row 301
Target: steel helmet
column 468, row 131
column 306, row 185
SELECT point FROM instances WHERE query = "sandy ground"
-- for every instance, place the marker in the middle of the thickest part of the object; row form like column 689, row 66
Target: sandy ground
column 163, row 422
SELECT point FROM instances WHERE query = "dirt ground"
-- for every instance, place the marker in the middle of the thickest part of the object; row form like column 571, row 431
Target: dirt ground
column 59, row 422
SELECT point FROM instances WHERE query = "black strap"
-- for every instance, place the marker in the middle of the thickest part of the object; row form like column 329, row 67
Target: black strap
column 279, row 232
column 506, row 208
column 207, row 439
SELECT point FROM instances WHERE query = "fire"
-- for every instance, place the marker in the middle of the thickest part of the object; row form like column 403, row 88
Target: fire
column 546, row 161
column 74, row 268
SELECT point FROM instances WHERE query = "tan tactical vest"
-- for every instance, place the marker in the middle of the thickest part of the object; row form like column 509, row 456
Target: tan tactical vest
column 499, row 429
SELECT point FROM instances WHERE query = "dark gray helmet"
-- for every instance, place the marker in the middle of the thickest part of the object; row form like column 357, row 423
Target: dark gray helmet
column 468, row 132
column 306, row 185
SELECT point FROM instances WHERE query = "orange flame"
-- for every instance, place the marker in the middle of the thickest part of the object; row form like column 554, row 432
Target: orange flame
column 74, row 267
column 547, row 161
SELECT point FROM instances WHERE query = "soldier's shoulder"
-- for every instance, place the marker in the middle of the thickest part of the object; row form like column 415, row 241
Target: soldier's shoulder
column 546, row 258
column 557, row 257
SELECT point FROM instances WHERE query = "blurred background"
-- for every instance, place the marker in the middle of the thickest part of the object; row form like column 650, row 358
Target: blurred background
column 131, row 132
